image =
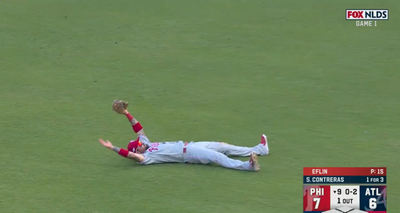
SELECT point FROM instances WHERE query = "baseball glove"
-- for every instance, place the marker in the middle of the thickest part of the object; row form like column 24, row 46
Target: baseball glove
column 119, row 106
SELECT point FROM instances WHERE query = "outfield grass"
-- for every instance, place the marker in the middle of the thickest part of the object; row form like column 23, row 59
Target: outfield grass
column 325, row 92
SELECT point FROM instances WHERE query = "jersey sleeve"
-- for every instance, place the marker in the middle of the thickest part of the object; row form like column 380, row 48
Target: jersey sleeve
column 147, row 159
column 144, row 139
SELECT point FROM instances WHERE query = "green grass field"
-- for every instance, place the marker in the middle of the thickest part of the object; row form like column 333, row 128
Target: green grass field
column 324, row 91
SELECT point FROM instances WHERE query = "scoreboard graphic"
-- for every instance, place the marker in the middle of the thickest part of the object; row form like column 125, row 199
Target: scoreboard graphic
column 344, row 190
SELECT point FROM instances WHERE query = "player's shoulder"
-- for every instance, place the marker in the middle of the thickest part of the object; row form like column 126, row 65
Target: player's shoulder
column 144, row 139
column 147, row 158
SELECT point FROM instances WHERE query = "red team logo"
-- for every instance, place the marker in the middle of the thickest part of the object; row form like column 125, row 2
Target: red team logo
column 153, row 147
column 316, row 198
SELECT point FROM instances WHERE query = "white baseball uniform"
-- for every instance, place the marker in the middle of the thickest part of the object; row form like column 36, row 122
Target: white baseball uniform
column 232, row 150
column 181, row 152
column 224, row 148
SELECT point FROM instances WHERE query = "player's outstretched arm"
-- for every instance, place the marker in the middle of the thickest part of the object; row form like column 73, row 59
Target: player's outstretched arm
column 136, row 126
column 123, row 152
column 120, row 107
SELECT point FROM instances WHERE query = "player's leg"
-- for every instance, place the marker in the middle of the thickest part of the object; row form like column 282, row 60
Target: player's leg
column 200, row 155
column 227, row 149
column 232, row 150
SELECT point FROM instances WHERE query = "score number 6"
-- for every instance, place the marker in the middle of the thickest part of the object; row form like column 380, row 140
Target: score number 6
column 372, row 203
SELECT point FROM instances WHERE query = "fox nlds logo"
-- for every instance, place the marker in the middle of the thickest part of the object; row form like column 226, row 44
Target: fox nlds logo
column 367, row 17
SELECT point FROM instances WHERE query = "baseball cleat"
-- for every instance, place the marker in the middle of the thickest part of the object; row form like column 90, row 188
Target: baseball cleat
column 264, row 142
column 254, row 161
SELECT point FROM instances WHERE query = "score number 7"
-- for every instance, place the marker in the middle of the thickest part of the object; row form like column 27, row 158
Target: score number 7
column 316, row 200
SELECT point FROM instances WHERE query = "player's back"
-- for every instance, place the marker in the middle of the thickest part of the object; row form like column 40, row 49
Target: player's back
column 164, row 152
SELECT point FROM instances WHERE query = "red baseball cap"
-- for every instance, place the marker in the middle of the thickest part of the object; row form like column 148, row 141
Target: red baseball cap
column 133, row 145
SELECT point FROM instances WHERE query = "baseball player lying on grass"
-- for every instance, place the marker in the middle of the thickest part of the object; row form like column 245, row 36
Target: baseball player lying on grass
column 144, row 152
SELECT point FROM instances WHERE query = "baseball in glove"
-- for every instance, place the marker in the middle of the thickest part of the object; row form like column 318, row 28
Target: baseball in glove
column 119, row 106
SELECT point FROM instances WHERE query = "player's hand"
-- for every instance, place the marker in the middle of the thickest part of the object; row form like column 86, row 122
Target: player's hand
column 106, row 144
column 120, row 106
